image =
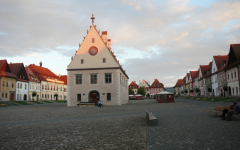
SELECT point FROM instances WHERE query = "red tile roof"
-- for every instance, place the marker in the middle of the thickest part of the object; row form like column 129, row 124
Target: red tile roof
column 193, row 74
column 5, row 70
column 15, row 67
column 219, row 59
column 224, row 64
column 44, row 74
column 64, row 78
column 133, row 84
column 31, row 74
column 179, row 82
column 156, row 84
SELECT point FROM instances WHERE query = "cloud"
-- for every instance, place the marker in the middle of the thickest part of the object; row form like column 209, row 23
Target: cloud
column 151, row 39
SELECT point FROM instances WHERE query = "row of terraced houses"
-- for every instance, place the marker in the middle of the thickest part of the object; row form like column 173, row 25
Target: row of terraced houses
column 220, row 77
column 19, row 82
column 154, row 88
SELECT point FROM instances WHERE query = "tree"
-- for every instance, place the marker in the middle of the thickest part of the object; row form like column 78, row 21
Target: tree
column 130, row 91
column 34, row 94
column 141, row 91
column 191, row 91
column 197, row 90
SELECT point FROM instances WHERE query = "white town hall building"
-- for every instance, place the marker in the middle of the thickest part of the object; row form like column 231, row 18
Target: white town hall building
column 94, row 72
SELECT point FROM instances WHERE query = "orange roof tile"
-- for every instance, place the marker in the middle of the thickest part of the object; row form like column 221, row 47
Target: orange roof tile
column 156, row 84
column 64, row 78
column 179, row 82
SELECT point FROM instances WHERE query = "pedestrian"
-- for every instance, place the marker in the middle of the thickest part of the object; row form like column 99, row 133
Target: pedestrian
column 233, row 109
column 99, row 103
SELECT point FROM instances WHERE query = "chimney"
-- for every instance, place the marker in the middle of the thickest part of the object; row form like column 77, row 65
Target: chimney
column 40, row 64
column 104, row 36
column 109, row 43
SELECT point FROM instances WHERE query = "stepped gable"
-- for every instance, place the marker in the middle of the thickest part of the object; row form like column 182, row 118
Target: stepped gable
column 44, row 74
column 219, row 59
column 64, row 79
column 5, row 70
column 18, row 70
column 133, row 83
column 179, row 82
column 156, row 84
column 31, row 74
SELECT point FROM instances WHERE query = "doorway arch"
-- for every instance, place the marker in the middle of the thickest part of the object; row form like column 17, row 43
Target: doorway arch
column 93, row 96
column 229, row 90
column 25, row 97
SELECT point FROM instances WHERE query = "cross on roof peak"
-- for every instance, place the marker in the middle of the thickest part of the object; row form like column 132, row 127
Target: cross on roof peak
column 92, row 19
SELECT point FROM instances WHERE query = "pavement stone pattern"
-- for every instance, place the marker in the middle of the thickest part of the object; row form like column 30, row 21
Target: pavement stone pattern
column 184, row 124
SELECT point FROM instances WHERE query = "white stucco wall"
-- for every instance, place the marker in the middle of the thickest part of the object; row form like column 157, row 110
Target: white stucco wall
column 21, row 90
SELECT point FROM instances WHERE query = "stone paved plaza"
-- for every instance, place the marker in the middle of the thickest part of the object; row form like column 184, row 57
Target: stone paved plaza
column 182, row 125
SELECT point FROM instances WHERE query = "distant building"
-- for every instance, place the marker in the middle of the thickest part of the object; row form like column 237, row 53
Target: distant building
column 146, row 87
column 22, row 81
column 156, row 87
column 133, row 86
column 7, row 82
column 177, row 87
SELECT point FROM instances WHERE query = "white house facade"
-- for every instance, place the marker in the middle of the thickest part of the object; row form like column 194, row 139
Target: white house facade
column 95, row 74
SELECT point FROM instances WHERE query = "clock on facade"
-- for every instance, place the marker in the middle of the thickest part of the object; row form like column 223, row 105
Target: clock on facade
column 93, row 50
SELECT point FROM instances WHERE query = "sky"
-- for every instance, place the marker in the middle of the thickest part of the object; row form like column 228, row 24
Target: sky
column 152, row 39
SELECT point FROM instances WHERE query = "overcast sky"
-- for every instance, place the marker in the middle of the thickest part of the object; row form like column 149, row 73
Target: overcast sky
column 158, row 39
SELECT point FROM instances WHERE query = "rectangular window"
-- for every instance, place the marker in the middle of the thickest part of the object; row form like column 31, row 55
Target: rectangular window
column 25, row 86
column 33, row 87
column 20, row 85
column 20, row 97
column 233, row 90
column 236, row 90
column 5, row 95
column 104, row 60
column 3, row 83
column 93, row 40
column 48, row 95
column 2, row 95
column 12, row 85
column 45, row 95
column 17, row 96
column 156, row 89
column 78, row 79
column 126, row 83
column 30, row 87
column 120, row 78
column 82, row 61
column 108, row 78
column 79, row 97
column 42, row 95
column 93, row 78
column 108, row 96
column 235, row 74
column 6, row 84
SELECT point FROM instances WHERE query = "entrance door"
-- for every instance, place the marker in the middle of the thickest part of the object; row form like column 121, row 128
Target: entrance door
column 94, row 96
column 25, row 97
column 229, row 89
column 11, row 97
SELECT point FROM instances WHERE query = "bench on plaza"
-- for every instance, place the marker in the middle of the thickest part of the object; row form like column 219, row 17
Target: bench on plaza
column 85, row 104
column 219, row 110
column 151, row 119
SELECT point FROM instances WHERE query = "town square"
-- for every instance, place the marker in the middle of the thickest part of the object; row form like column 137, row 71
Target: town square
column 124, row 74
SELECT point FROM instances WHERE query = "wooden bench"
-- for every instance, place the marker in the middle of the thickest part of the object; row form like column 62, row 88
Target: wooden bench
column 218, row 109
column 151, row 119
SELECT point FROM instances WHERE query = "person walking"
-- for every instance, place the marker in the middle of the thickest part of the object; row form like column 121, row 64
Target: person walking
column 99, row 103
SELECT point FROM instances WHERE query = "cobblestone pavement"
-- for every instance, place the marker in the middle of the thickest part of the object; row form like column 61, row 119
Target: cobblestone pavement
column 184, row 124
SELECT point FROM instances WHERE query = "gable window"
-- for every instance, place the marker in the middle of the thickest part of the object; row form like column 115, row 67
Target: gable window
column 108, row 96
column 78, row 79
column 93, row 40
column 79, row 97
column 157, row 84
column 93, row 78
column 104, row 60
column 108, row 78
column 82, row 61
